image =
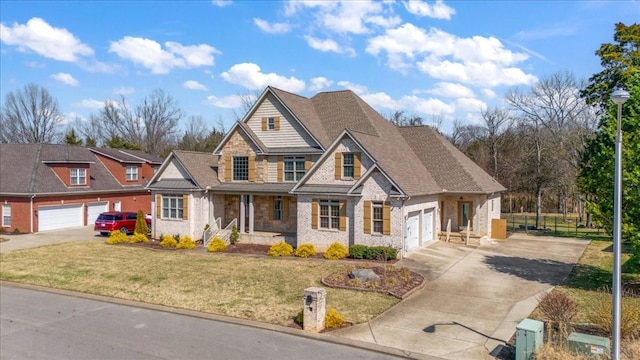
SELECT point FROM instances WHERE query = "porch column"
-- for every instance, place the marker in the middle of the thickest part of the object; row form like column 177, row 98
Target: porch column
column 242, row 213
column 250, row 214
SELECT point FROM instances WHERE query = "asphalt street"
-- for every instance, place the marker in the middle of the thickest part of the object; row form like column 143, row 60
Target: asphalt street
column 44, row 325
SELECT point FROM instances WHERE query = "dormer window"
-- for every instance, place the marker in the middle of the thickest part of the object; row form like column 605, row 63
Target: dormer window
column 78, row 176
column 132, row 173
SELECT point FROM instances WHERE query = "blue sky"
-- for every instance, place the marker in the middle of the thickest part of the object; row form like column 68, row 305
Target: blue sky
column 427, row 58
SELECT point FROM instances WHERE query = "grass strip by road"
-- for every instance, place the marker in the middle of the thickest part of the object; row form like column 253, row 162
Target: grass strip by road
column 256, row 288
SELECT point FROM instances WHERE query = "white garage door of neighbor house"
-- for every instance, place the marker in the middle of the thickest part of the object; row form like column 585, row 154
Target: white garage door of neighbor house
column 95, row 209
column 427, row 226
column 412, row 231
column 60, row 217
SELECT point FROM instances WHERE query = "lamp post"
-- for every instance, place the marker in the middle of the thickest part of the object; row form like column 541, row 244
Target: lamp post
column 619, row 97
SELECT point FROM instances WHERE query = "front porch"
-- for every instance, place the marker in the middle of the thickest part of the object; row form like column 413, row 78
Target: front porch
column 261, row 216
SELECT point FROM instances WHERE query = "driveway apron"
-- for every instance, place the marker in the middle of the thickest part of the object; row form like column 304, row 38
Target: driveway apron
column 474, row 296
column 26, row 241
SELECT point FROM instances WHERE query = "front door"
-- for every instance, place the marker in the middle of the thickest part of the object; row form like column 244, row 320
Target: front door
column 465, row 215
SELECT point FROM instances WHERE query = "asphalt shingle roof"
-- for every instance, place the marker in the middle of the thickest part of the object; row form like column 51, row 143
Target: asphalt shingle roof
column 202, row 166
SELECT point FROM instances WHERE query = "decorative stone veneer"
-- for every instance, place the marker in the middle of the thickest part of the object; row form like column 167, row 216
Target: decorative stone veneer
column 239, row 144
column 262, row 211
column 325, row 173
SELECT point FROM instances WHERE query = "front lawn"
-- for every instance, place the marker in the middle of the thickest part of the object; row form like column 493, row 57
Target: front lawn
column 257, row 288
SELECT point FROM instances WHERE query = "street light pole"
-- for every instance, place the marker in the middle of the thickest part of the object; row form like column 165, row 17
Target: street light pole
column 619, row 97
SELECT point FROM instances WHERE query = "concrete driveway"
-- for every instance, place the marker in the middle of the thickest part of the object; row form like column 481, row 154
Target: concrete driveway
column 25, row 241
column 474, row 296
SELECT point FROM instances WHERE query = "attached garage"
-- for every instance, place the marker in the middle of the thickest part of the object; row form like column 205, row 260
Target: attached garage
column 95, row 209
column 412, row 231
column 60, row 217
column 427, row 225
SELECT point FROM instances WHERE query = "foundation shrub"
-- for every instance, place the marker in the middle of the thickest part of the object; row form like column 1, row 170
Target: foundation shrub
column 217, row 245
column 2, row 230
column 305, row 251
column 16, row 231
column 141, row 224
column 333, row 319
column 280, row 249
column 138, row 238
column 186, row 242
column 602, row 307
column 117, row 237
column 300, row 318
column 372, row 252
column 336, row 251
column 168, row 242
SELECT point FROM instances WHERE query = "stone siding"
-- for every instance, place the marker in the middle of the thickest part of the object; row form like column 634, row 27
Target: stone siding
column 262, row 211
column 239, row 144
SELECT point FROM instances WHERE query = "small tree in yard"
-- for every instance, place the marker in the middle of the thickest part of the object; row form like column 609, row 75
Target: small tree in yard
column 233, row 239
column 141, row 224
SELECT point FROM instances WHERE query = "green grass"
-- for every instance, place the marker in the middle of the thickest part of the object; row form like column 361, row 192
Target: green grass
column 258, row 288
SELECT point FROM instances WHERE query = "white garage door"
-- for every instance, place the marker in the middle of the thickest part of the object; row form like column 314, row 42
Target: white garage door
column 95, row 209
column 60, row 217
column 427, row 226
column 412, row 231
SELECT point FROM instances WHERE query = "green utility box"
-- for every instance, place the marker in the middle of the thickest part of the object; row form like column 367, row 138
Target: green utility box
column 529, row 337
column 588, row 344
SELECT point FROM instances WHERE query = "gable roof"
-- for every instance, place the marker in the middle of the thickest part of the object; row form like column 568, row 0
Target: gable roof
column 127, row 156
column 202, row 168
column 452, row 169
column 26, row 169
column 247, row 131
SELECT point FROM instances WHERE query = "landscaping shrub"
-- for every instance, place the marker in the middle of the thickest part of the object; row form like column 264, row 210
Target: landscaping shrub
column 16, row 231
column 2, row 230
column 117, row 237
column 558, row 306
column 372, row 252
column 141, row 224
column 168, row 241
column 300, row 318
column 600, row 314
column 336, row 251
column 305, row 251
column 138, row 238
column 235, row 235
column 280, row 249
column 217, row 245
column 333, row 319
column 186, row 242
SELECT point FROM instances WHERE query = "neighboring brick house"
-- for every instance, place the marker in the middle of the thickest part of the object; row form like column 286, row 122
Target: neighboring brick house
column 56, row 186
column 324, row 169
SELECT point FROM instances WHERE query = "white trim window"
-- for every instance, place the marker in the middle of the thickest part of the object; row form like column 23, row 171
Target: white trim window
column 78, row 176
column 172, row 206
column 329, row 214
column 376, row 217
column 347, row 165
column 132, row 173
column 240, row 168
column 271, row 123
column 6, row 215
column 277, row 208
column 294, row 168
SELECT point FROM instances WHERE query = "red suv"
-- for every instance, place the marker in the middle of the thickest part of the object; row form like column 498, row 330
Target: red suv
column 117, row 220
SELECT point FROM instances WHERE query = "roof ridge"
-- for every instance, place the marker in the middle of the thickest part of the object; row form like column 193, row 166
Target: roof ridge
column 288, row 92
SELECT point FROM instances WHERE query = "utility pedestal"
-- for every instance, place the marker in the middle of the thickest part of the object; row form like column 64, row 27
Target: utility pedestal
column 529, row 337
column 315, row 300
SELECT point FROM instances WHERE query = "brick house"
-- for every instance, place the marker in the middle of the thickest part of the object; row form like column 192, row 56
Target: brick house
column 56, row 186
column 323, row 169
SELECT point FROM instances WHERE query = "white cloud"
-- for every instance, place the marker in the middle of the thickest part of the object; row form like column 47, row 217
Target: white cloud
column 431, row 106
column 319, row 83
column 453, row 90
column 225, row 102
column 345, row 17
column 489, row 93
column 250, row 76
column 90, row 104
column 380, row 100
column 272, row 28
column 38, row 36
column 437, row 11
column 328, row 45
column 221, row 3
column 193, row 85
column 65, row 79
column 477, row 60
column 470, row 104
column 356, row 88
column 151, row 55
column 124, row 91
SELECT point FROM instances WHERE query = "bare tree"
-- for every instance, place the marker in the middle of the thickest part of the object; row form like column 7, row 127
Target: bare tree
column 199, row 137
column 496, row 122
column 247, row 100
column 398, row 118
column 30, row 115
column 156, row 122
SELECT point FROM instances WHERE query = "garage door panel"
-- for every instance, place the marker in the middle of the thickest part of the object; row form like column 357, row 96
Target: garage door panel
column 427, row 225
column 95, row 209
column 60, row 217
column 412, row 231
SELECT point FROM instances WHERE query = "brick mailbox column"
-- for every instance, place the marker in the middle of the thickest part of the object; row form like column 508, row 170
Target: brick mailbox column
column 315, row 300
